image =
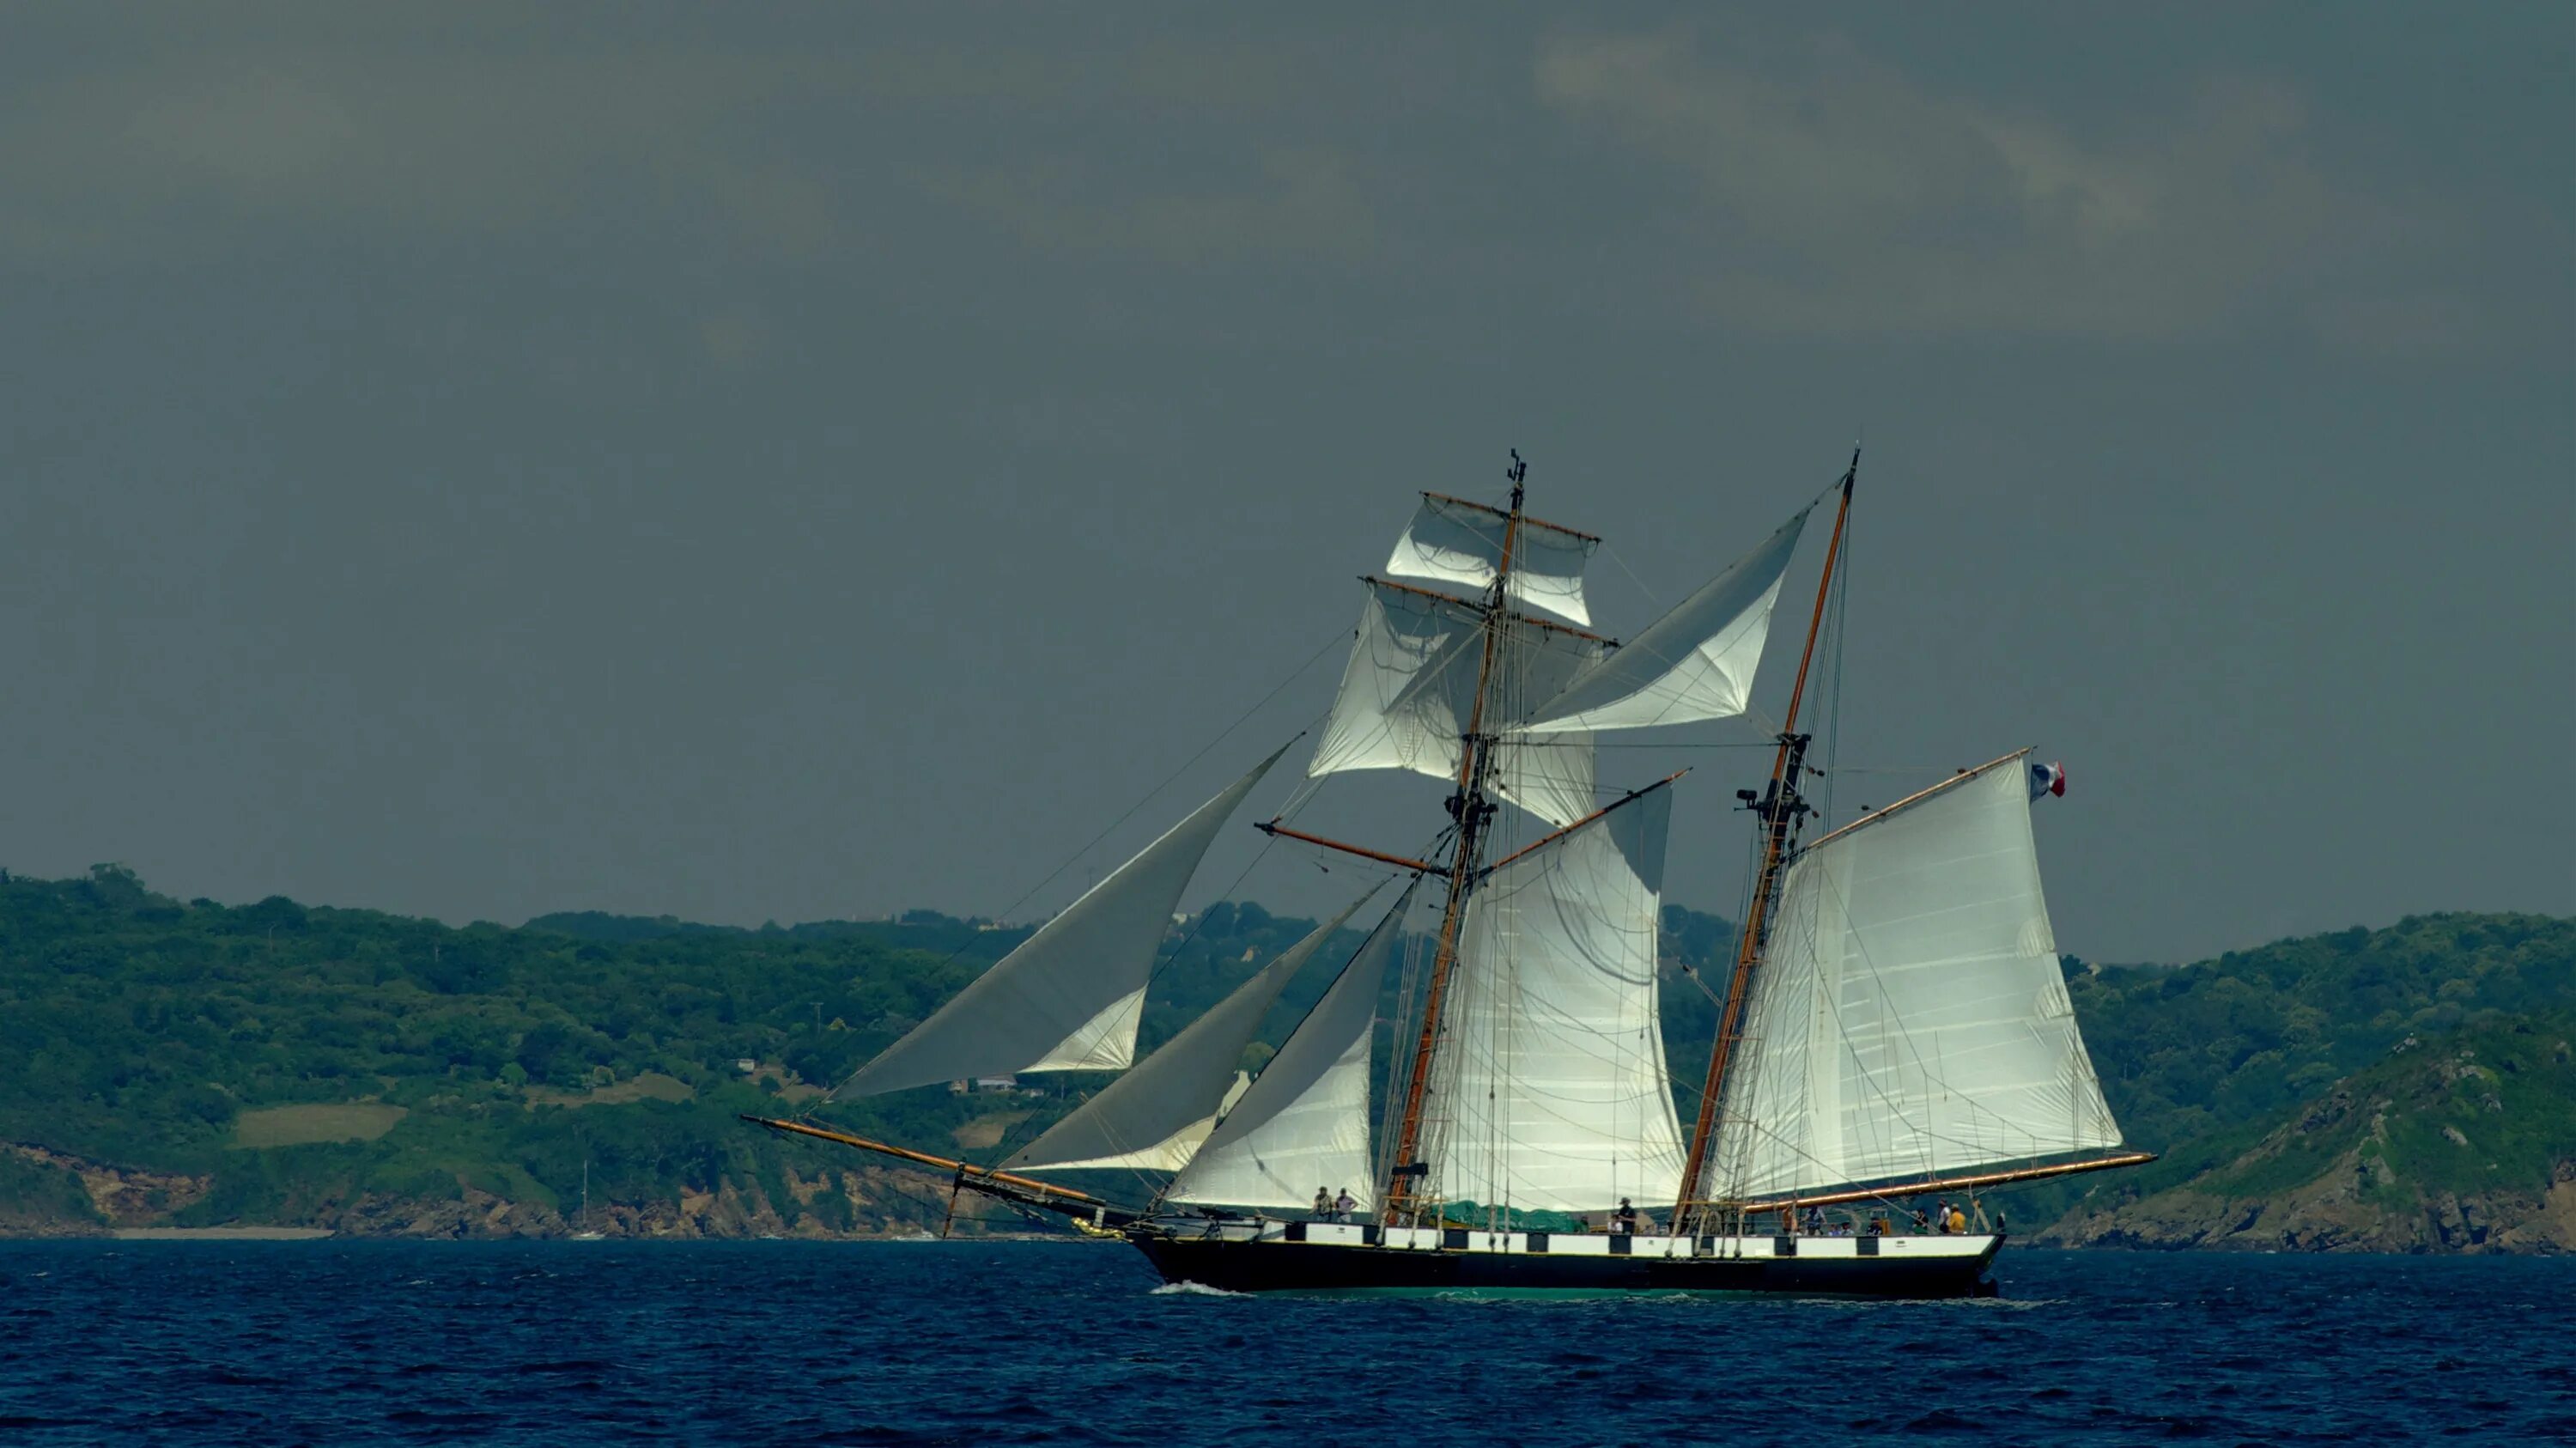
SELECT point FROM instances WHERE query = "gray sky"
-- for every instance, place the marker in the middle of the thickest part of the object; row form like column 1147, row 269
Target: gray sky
column 795, row 462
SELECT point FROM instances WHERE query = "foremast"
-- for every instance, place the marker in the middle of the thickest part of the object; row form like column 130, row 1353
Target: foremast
column 1473, row 811
column 1783, row 811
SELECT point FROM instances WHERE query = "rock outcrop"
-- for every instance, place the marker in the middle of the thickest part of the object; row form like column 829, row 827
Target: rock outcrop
column 2468, row 1145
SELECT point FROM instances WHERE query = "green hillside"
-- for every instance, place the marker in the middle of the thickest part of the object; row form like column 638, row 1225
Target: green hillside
column 275, row 1063
column 2461, row 1141
column 2201, row 1060
column 191, row 1063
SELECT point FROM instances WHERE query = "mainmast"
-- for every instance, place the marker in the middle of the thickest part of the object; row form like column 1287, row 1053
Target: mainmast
column 1782, row 810
column 1473, row 812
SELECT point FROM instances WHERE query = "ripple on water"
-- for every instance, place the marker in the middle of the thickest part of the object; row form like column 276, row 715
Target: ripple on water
column 513, row 1343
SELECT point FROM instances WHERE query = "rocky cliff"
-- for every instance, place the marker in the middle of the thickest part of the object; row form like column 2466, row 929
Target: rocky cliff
column 2466, row 1144
column 54, row 1195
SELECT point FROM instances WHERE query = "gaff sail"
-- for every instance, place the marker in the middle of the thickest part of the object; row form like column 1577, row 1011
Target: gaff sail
column 1910, row 1018
column 1550, row 1091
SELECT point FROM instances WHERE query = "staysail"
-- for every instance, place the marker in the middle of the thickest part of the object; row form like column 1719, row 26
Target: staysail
column 1909, row 1017
column 1068, row 999
column 1549, row 1091
column 1304, row 1122
column 1694, row 663
column 1154, row 1117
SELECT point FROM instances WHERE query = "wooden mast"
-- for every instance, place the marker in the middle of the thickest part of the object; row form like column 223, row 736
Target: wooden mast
column 1781, row 811
column 1472, row 811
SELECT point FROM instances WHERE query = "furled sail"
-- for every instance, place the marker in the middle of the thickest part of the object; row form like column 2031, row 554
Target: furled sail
column 1304, row 1122
column 1154, row 1117
column 1069, row 997
column 1694, row 663
column 1909, row 1016
column 1410, row 688
column 1457, row 541
column 1549, row 1091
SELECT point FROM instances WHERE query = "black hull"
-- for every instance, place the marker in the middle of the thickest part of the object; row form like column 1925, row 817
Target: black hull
column 1273, row 1266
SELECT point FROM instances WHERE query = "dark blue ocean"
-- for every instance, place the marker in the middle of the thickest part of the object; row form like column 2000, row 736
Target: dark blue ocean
column 1071, row 1343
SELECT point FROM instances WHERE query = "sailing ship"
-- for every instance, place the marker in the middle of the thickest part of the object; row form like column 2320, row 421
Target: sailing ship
column 1895, row 1023
column 586, row 1232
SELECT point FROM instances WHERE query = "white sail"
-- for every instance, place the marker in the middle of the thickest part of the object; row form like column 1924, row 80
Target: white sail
column 1549, row 1091
column 1909, row 1017
column 1461, row 542
column 1695, row 663
column 1409, row 691
column 1304, row 1122
column 1068, row 998
column 1156, row 1115
column 1172, row 1152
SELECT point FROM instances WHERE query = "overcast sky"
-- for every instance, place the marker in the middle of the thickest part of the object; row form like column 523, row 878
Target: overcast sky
column 790, row 462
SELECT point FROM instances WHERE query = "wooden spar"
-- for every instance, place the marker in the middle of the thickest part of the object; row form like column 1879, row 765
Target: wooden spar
column 1472, row 810
column 1781, row 812
column 1941, row 1184
column 1526, row 520
column 1515, row 615
column 1552, row 837
column 1274, row 827
column 1917, row 797
column 968, row 1173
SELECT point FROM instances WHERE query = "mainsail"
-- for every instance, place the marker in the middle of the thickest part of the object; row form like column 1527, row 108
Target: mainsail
column 1304, row 1122
column 1068, row 999
column 1909, row 1017
column 1549, row 1091
column 1154, row 1117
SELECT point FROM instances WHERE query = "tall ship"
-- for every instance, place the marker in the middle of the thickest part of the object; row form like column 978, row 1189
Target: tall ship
column 1894, row 1032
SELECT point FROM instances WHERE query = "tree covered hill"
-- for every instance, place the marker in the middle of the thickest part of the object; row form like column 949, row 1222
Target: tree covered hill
column 192, row 1063
column 2453, row 1142
column 202, row 1064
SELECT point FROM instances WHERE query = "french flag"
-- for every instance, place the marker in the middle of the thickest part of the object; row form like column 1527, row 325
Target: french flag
column 2047, row 779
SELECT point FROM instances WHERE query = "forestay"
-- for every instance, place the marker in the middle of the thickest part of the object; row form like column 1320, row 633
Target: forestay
column 1695, row 663
column 1154, row 1117
column 1409, row 691
column 1304, row 1121
column 1456, row 541
column 1909, row 1017
column 1549, row 1092
column 1069, row 997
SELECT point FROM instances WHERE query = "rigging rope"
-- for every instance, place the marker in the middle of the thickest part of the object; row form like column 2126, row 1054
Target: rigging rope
column 828, row 1097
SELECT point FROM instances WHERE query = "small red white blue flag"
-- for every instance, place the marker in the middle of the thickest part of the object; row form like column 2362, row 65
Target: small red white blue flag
column 2047, row 779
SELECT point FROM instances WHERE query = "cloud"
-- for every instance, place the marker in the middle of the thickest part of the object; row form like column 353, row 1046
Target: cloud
column 1288, row 201
column 791, row 152
column 182, row 155
column 1841, row 196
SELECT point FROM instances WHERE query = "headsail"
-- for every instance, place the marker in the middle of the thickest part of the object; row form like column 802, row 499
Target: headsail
column 1304, row 1123
column 1410, row 688
column 1069, row 997
column 1910, row 1017
column 1154, row 1117
column 1456, row 541
column 1550, row 1091
column 1694, row 663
